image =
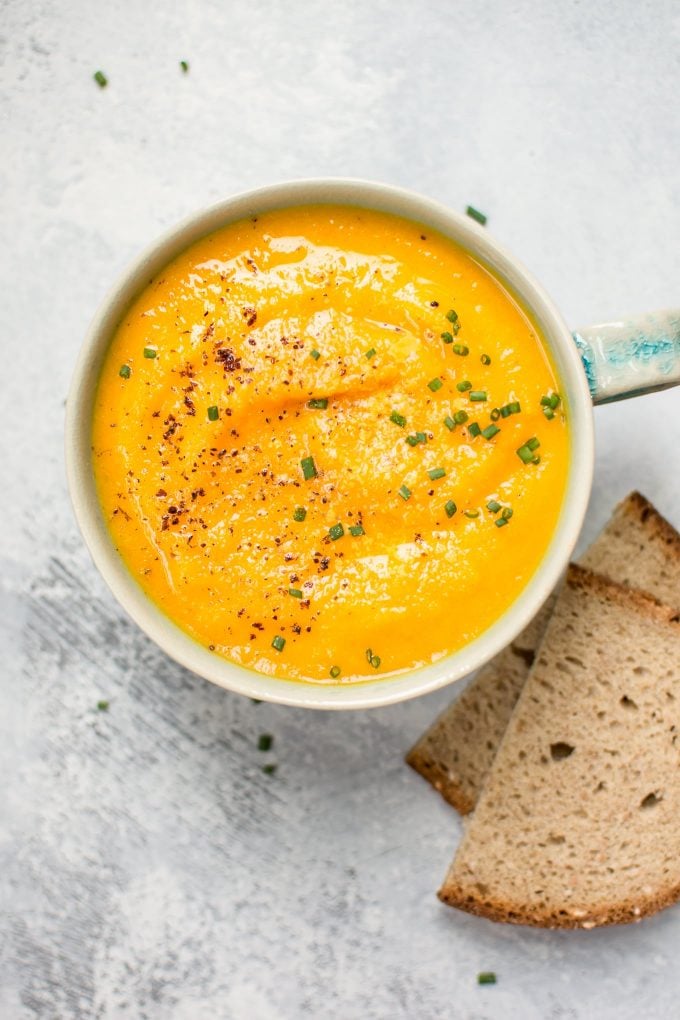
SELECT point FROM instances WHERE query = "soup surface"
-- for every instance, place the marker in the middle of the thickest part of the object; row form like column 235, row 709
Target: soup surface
column 329, row 444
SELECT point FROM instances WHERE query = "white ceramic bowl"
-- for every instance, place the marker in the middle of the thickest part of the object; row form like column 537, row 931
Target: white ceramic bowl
column 573, row 386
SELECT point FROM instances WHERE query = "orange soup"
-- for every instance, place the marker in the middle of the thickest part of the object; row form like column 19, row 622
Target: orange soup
column 329, row 444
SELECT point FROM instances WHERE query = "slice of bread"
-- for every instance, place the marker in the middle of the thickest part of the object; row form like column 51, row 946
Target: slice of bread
column 578, row 823
column 638, row 547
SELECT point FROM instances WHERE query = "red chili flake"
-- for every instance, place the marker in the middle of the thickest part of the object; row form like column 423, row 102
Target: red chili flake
column 172, row 424
column 227, row 359
column 250, row 315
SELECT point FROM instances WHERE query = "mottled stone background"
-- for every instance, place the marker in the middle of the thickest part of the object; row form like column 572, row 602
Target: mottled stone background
column 148, row 868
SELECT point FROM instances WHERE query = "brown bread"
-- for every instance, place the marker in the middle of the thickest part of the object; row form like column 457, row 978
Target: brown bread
column 578, row 823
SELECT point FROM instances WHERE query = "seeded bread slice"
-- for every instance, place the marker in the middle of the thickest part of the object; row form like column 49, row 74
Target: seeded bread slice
column 638, row 547
column 578, row 823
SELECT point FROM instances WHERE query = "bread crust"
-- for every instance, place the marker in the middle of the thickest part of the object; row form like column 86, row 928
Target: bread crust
column 516, row 913
column 638, row 506
column 434, row 772
column 581, row 579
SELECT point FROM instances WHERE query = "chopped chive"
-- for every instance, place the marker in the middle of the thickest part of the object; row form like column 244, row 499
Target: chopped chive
column 315, row 354
column 472, row 514
column 336, row 532
column 490, row 431
column 375, row 661
column 308, row 468
column 436, row 473
column 477, row 396
column 318, row 404
column 461, row 349
column 452, row 316
column 213, row 412
column 150, row 352
column 398, row 419
column 450, row 423
column 463, row 386
column 404, row 492
column 369, row 654
column 495, row 414
column 435, row 384
column 416, row 439
column 549, row 413
column 269, row 770
column 493, row 506
column 513, row 407
column 411, row 440
column 460, row 417
column 507, row 513
column 335, row 672
column 485, row 359
column 100, row 79
column 265, row 742
column 184, row 64
column 278, row 643
column 551, row 400
column 500, row 522
column 370, row 353
column 125, row 371
column 487, row 977
column 474, row 429
column 475, row 214
column 299, row 513
column 102, row 706
column 356, row 530
column 295, row 592
column 526, row 451
column 447, row 337
column 450, row 508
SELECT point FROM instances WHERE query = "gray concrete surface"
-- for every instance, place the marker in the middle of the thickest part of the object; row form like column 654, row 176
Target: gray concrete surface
column 148, row 869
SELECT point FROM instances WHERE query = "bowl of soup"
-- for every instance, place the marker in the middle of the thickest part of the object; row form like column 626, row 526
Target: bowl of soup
column 329, row 444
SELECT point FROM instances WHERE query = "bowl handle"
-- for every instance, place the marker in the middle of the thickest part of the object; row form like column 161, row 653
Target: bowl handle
column 631, row 357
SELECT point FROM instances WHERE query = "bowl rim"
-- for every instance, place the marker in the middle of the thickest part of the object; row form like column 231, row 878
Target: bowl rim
column 151, row 619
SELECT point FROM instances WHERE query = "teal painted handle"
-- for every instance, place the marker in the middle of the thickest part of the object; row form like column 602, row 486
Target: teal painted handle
column 632, row 357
